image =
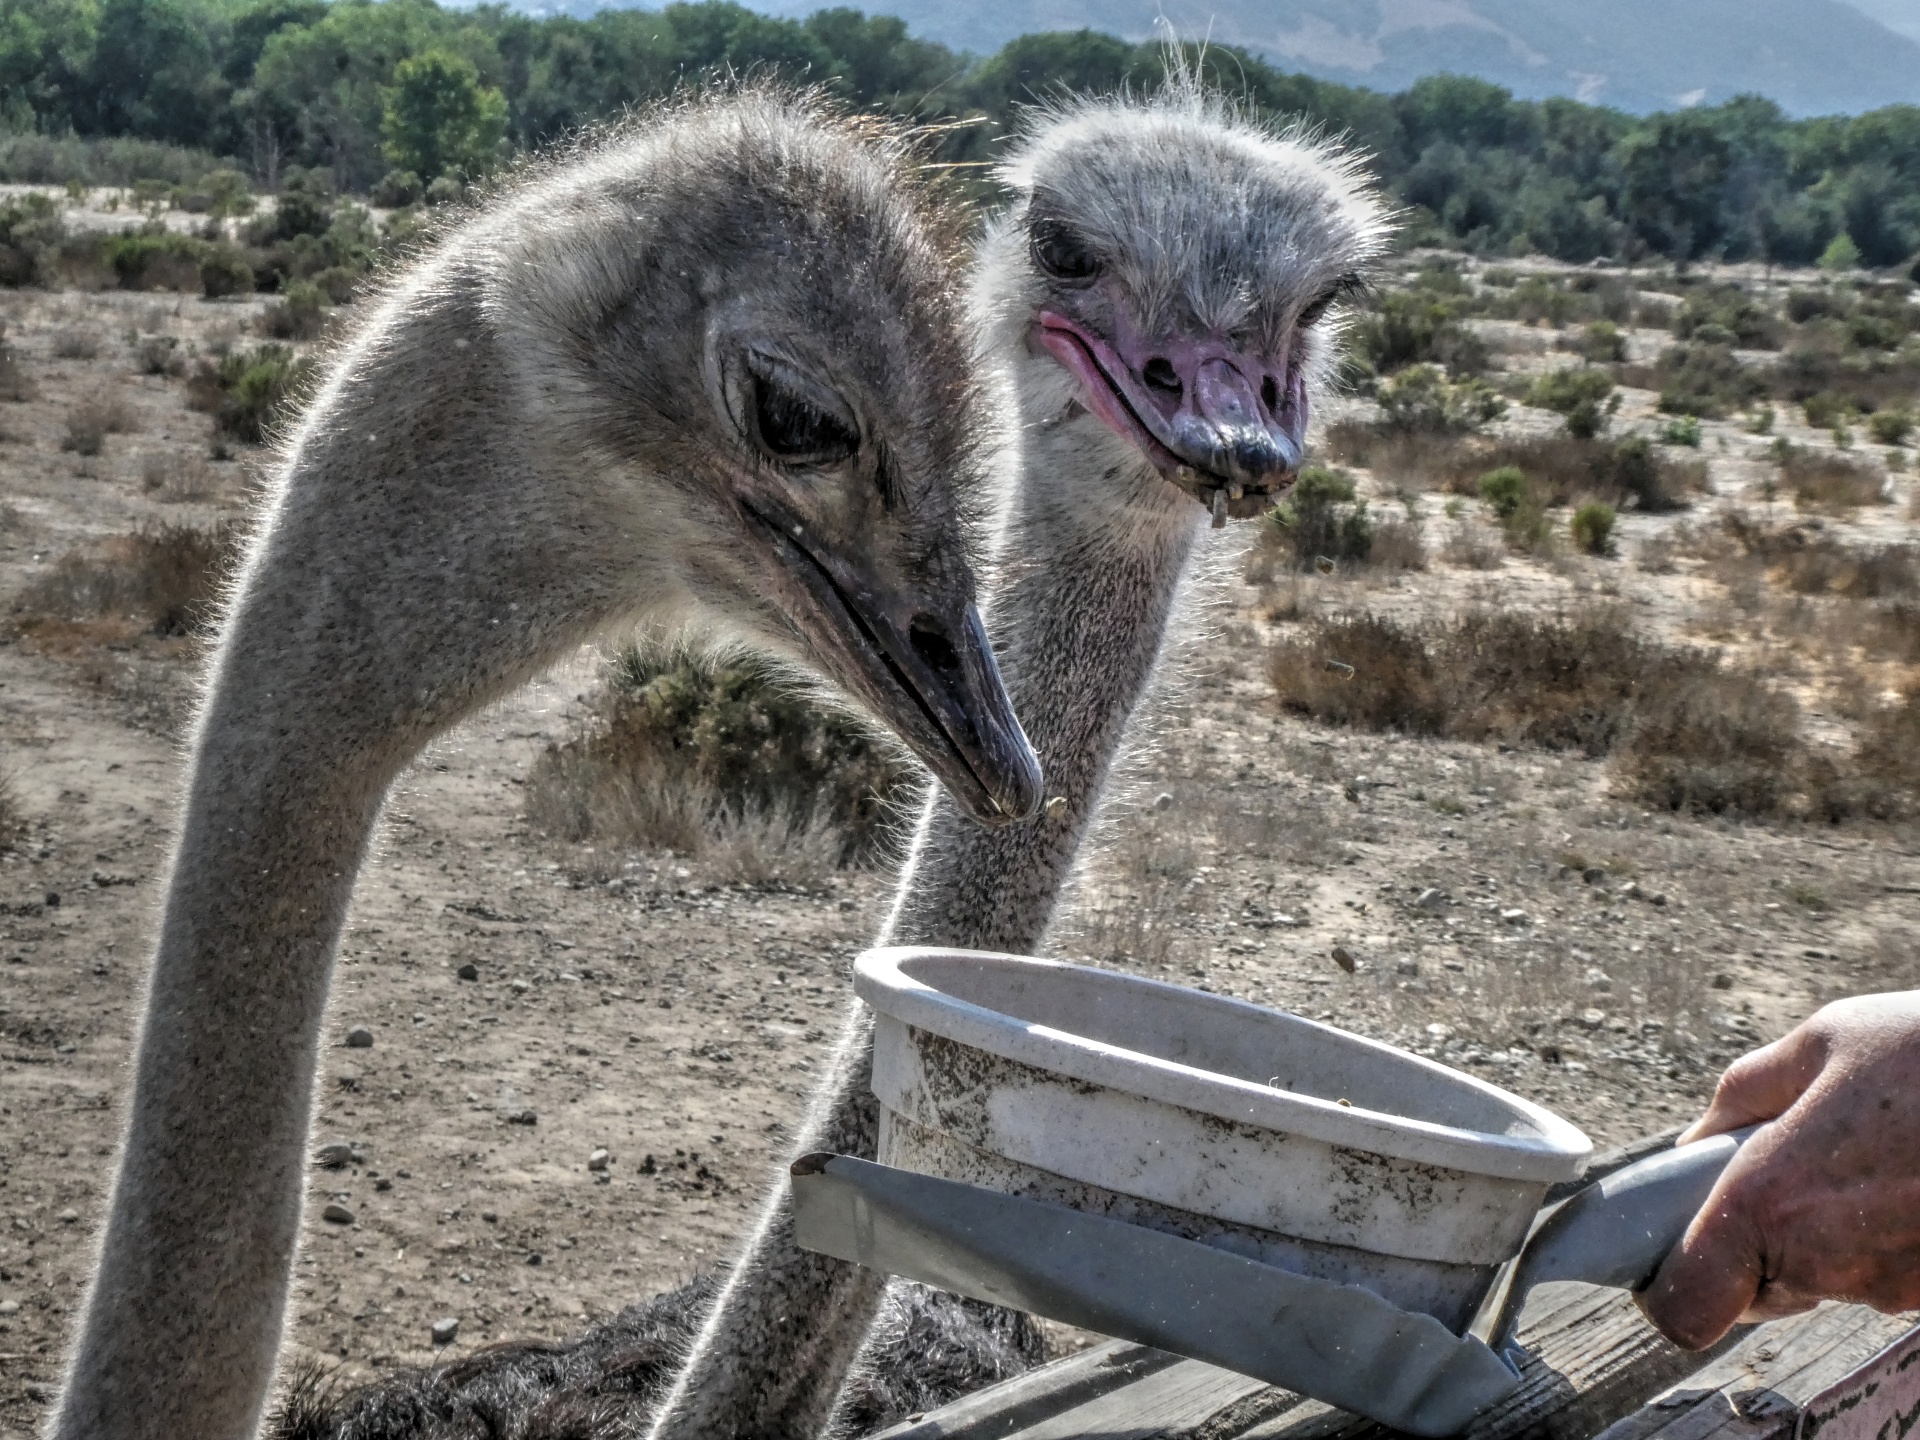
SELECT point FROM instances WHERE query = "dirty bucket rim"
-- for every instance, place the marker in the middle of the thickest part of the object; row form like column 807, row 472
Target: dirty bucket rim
column 1557, row 1150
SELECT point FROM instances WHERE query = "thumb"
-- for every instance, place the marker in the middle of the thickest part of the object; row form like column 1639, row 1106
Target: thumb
column 1762, row 1085
column 1710, row 1278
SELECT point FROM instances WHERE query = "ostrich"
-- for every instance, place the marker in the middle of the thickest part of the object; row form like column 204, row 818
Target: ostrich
column 1158, row 292
column 1161, row 294
column 708, row 376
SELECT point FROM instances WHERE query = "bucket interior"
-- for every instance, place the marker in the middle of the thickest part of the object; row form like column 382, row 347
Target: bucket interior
column 1224, row 1037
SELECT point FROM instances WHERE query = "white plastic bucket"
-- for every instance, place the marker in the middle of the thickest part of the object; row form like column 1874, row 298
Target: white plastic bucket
column 1255, row 1131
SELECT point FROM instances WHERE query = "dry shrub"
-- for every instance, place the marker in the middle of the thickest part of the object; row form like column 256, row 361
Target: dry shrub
column 176, row 479
column 1887, row 632
column 1887, row 758
column 159, row 355
column 12, row 818
column 1629, row 473
column 1707, row 740
column 16, row 385
column 1824, row 480
column 164, row 578
column 1562, row 684
column 1684, row 731
column 1472, row 547
column 723, row 761
column 1132, row 919
column 1805, row 559
column 91, row 421
column 1398, row 545
column 77, row 343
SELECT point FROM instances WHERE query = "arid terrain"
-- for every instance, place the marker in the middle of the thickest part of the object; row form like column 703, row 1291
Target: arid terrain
column 1523, row 911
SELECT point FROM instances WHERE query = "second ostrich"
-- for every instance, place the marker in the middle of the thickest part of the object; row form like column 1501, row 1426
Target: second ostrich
column 708, row 376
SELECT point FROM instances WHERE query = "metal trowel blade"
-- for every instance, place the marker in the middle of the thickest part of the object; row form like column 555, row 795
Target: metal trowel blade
column 1336, row 1343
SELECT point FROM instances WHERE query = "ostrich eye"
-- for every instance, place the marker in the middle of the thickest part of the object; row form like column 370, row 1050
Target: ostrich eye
column 1059, row 252
column 794, row 430
column 1316, row 309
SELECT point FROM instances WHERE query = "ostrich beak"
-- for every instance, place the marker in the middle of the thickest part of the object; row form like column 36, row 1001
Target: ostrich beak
column 1226, row 426
column 920, row 662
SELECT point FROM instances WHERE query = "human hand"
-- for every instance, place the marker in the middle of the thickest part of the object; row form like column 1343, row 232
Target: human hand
column 1822, row 1204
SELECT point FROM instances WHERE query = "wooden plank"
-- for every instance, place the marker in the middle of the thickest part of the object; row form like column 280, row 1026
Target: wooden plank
column 1026, row 1400
column 1756, row 1390
column 1879, row 1401
column 1594, row 1358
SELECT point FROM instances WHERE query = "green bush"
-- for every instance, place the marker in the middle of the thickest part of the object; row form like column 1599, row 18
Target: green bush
column 1586, row 397
column 155, row 260
column 1842, row 254
column 31, row 231
column 1410, row 328
column 224, row 271
column 1604, row 343
column 1805, row 305
column 397, row 190
column 1421, row 400
column 1825, row 410
column 1321, row 519
column 246, row 391
column 300, row 315
column 682, row 745
column 1682, row 430
column 1726, row 315
column 1505, row 490
column 220, row 193
column 1592, row 527
column 1891, row 427
column 1705, row 381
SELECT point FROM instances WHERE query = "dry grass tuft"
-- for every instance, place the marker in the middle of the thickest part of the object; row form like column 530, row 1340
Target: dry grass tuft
column 1684, row 731
column 13, row 819
column 16, row 385
column 1629, row 473
column 91, row 421
column 77, row 343
column 1826, row 480
column 1808, row 561
column 724, row 762
column 162, row 580
column 177, row 479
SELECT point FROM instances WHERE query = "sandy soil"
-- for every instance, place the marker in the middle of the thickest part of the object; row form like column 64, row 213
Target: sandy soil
column 627, row 1003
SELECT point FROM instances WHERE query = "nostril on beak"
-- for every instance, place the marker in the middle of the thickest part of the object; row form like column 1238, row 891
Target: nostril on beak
column 931, row 644
column 1270, row 395
column 1160, row 374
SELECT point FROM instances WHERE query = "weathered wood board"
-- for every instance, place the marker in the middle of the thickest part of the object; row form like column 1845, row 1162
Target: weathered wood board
column 1598, row 1370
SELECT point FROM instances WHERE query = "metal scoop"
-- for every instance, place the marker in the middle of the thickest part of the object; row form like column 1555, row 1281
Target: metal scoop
column 1336, row 1343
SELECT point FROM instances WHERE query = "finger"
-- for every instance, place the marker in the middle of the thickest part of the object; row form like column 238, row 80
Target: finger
column 1709, row 1279
column 1773, row 1303
column 1762, row 1085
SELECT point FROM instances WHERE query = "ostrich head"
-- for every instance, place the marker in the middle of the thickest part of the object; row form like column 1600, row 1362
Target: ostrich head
column 758, row 349
column 1174, row 272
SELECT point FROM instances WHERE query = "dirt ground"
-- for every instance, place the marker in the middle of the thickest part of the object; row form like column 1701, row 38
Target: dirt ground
column 1497, row 908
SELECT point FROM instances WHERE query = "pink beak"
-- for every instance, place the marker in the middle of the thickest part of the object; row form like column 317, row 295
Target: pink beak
column 1228, row 427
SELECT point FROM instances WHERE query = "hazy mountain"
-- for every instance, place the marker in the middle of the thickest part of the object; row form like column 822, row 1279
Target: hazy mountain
column 1813, row 56
column 1901, row 15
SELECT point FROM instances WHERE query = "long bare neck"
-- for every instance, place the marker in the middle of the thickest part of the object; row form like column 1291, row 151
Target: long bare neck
column 375, row 613
column 1090, row 572
column 1079, row 621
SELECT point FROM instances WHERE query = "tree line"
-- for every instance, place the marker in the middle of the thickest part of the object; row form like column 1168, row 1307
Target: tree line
column 386, row 97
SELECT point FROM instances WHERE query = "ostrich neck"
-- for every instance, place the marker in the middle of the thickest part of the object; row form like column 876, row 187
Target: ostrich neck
column 1097, row 544
column 1078, row 619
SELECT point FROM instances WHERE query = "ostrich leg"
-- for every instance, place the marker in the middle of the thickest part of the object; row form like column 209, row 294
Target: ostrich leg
column 1079, row 636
